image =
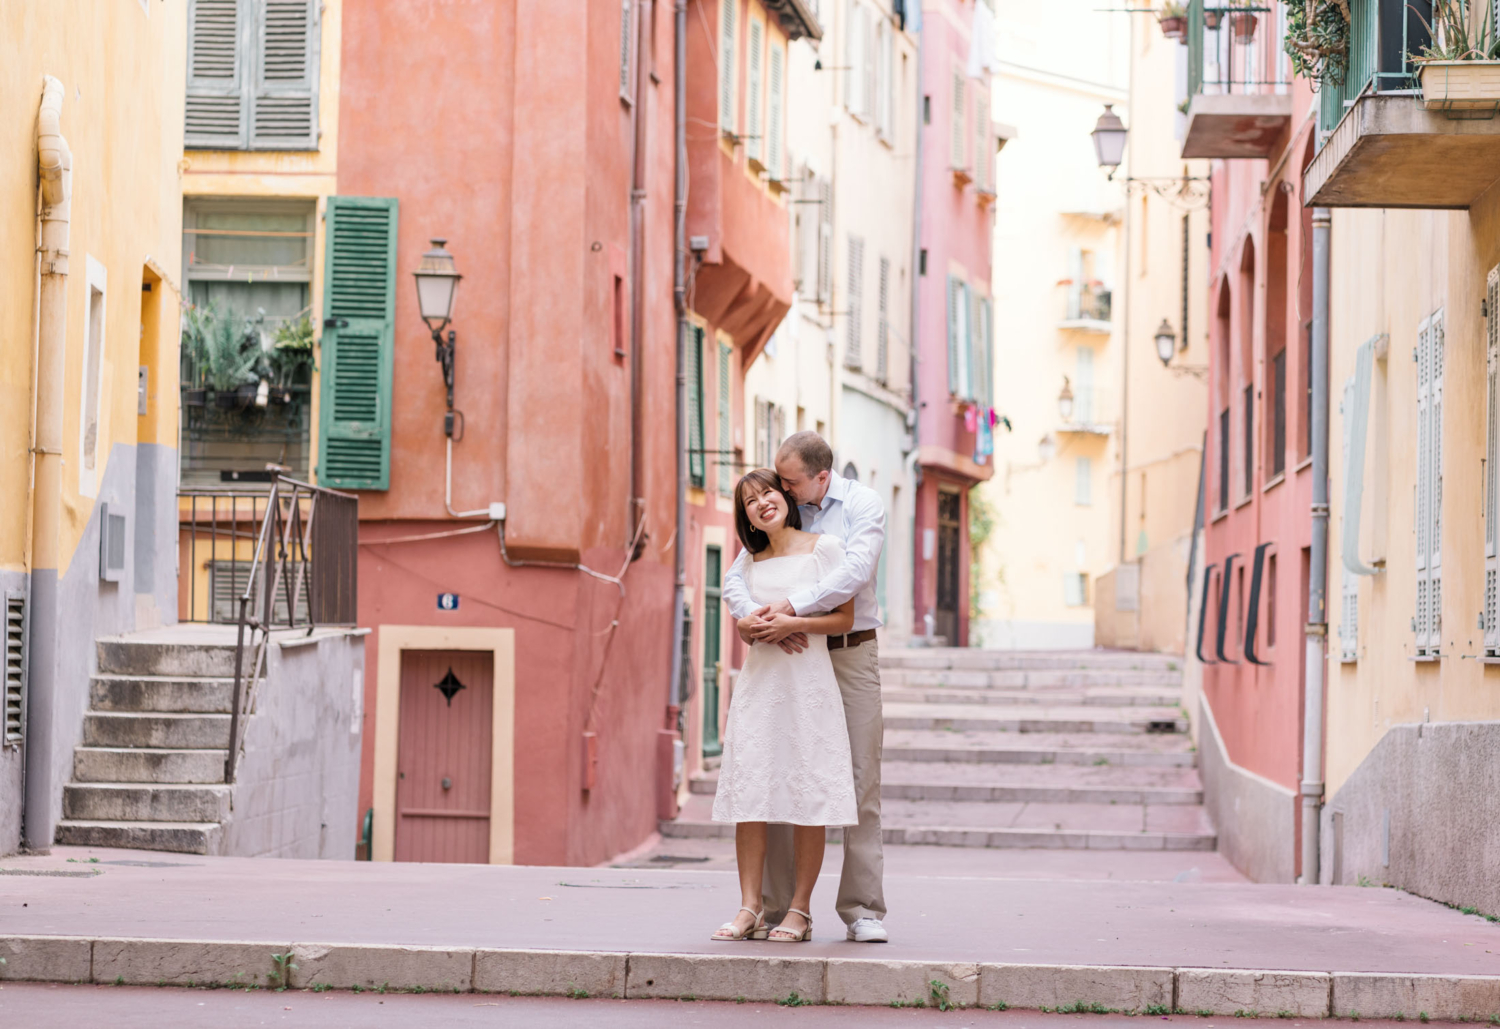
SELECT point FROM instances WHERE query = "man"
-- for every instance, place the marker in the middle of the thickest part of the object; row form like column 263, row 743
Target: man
column 851, row 512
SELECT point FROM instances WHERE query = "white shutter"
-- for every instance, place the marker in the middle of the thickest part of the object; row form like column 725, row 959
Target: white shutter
column 754, row 70
column 1083, row 387
column 1349, row 618
column 959, row 128
column 954, row 296
column 987, row 349
column 284, row 111
column 853, row 358
column 776, row 117
column 886, row 94
column 966, row 342
column 218, row 44
column 625, row 49
column 1492, row 453
column 825, row 240
column 1083, row 481
column 728, row 22
column 869, row 57
column 762, row 445
column 883, row 329
column 1075, row 283
column 1429, row 501
column 983, row 151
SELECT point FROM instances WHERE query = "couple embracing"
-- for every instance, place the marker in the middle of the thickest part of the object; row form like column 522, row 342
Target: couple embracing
column 803, row 738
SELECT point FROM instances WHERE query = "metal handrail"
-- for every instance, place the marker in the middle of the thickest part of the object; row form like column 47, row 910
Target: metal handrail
column 321, row 556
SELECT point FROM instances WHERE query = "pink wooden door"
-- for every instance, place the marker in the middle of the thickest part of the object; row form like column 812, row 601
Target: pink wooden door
column 443, row 756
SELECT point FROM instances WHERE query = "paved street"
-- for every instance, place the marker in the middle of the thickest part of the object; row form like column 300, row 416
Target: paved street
column 126, row 1007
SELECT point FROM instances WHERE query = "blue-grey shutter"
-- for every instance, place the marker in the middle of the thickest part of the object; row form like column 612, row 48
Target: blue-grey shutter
column 357, row 354
column 284, row 106
column 695, row 405
column 219, row 33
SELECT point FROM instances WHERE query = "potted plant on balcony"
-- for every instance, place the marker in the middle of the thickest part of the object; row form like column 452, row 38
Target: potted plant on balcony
column 1460, row 69
column 1242, row 23
column 1211, row 18
column 1172, row 18
column 224, row 354
column 290, row 359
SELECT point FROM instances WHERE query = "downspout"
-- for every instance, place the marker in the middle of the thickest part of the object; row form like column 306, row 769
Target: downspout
column 55, row 171
column 679, row 298
column 1125, row 318
column 644, row 20
column 1316, row 632
column 914, row 360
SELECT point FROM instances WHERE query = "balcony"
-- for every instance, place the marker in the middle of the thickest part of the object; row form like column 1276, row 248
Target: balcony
column 1088, row 309
column 1386, row 147
column 1239, row 99
column 1092, row 412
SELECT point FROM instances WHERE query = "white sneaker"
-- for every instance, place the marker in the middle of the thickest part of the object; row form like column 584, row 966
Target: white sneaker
column 868, row 930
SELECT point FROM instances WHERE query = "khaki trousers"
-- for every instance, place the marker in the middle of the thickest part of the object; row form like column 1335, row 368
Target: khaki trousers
column 862, row 882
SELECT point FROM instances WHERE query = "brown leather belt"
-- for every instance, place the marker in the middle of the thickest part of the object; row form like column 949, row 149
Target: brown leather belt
column 852, row 639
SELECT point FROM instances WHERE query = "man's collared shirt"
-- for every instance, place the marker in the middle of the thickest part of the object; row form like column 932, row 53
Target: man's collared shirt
column 850, row 512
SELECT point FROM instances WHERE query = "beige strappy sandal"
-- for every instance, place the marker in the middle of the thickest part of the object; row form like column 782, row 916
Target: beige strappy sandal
column 792, row 935
column 730, row 933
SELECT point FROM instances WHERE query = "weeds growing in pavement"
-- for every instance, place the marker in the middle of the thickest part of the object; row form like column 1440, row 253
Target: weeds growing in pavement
column 321, row 987
column 1423, row 1016
column 1400, row 1016
column 1205, row 1013
column 1252, row 1013
column 1284, row 1013
column 1101, row 760
column 793, row 1001
column 999, row 1005
column 1158, row 1009
column 937, row 990
column 1078, row 1007
column 1363, row 880
column 282, row 963
column 578, row 994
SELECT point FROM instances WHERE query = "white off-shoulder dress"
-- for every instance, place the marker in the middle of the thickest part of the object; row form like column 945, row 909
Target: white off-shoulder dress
column 786, row 747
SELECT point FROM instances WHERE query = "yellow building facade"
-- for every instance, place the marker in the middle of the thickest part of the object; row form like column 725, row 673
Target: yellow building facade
column 89, row 296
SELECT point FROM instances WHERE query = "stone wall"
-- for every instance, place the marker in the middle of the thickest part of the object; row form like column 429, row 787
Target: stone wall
column 297, row 785
column 1254, row 817
column 1421, row 812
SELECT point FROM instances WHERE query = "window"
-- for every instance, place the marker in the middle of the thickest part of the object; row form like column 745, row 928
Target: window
column 960, row 343
column 1429, row 508
column 1083, row 481
column 626, row 51
column 958, row 131
column 728, row 26
column 248, row 271
column 1278, row 413
column 93, row 356
column 770, row 430
column 885, row 94
column 776, row 115
column 1248, row 439
column 883, row 328
column 252, row 77
column 754, row 73
column 1224, row 459
column 1083, row 387
column 695, row 405
column 855, row 301
column 1075, row 589
column 726, row 443
column 981, row 354
column 1271, row 600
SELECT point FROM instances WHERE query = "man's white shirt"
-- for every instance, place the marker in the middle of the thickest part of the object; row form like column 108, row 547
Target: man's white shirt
column 850, row 512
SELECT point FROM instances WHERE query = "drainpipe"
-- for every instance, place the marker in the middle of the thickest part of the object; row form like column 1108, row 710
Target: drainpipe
column 679, row 297
column 55, row 171
column 1316, row 632
column 1125, row 323
column 644, row 20
column 914, row 360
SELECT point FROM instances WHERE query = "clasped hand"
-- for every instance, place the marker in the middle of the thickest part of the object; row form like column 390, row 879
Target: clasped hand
column 775, row 623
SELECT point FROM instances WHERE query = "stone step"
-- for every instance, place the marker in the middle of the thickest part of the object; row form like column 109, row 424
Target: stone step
column 131, row 764
column 135, row 802
column 1003, row 826
column 967, row 678
column 1096, row 696
column 179, row 837
column 176, row 731
column 123, row 655
column 999, row 660
column 1019, row 718
column 1159, row 750
column 160, row 693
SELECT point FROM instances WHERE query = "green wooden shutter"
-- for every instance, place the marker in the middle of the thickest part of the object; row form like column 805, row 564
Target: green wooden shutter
column 359, row 301
column 218, row 44
column 285, row 101
column 695, row 404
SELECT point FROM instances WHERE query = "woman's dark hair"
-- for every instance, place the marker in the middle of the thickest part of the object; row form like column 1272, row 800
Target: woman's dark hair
column 759, row 480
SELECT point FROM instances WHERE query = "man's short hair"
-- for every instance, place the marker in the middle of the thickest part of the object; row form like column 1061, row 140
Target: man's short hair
column 811, row 449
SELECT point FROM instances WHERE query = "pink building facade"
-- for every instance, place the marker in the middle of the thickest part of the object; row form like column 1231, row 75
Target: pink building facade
column 954, row 345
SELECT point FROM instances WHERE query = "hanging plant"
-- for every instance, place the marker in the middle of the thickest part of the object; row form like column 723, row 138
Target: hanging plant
column 1317, row 39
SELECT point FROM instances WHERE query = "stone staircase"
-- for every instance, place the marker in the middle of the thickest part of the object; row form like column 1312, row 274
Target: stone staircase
column 1008, row 749
column 150, row 772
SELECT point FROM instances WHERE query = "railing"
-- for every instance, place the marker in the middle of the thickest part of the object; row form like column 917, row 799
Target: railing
column 1088, row 302
column 1382, row 37
column 1236, row 48
column 300, row 570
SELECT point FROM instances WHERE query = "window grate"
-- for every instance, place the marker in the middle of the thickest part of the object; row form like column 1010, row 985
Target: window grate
column 15, row 670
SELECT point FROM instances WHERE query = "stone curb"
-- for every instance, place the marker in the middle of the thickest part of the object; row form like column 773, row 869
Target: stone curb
column 761, row 977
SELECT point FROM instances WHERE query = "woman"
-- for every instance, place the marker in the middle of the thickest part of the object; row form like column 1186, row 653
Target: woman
column 786, row 748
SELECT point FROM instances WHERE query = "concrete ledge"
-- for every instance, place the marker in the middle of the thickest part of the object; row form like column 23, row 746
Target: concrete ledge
column 727, row 977
column 1223, row 991
column 762, row 974
column 373, row 966
column 549, row 972
column 1448, row 997
column 1056, row 986
column 46, row 959
column 185, row 962
column 855, row 981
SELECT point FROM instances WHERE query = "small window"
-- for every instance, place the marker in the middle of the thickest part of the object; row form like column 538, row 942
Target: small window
column 93, row 351
column 1271, row 601
column 1083, row 481
column 1278, row 413
column 1075, row 589
column 1248, row 439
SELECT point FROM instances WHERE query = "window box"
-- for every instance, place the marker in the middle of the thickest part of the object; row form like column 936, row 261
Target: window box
column 1461, row 86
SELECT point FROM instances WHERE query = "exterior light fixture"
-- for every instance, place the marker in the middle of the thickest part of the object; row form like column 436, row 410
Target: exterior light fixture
column 437, row 285
column 1109, row 139
column 1046, row 448
column 1166, row 342
column 1065, row 401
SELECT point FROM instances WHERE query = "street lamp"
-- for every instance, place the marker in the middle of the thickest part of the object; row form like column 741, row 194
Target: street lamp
column 1065, row 401
column 1166, row 342
column 1109, row 139
column 1046, row 448
column 437, row 284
